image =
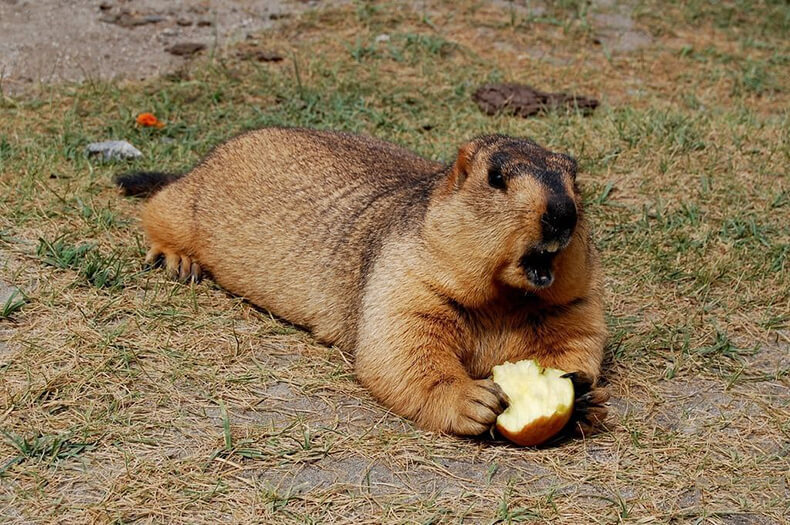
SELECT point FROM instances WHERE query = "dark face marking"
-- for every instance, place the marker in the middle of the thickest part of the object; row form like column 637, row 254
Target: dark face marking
column 511, row 158
column 496, row 179
column 559, row 221
column 551, row 180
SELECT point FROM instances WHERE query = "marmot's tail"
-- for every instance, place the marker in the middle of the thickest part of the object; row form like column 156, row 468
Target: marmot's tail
column 144, row 183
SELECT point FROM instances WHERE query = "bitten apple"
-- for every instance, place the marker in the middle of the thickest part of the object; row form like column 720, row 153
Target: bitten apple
column 541, row 401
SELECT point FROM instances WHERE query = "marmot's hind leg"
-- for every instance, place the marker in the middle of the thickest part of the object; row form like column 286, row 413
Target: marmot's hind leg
column 169, row 228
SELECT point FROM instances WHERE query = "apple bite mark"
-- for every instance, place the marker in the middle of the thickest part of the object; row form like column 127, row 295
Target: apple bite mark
column 541, row 402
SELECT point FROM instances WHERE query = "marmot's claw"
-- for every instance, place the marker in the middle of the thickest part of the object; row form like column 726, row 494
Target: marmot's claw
column 589, row 410
column 582, row 383
column 156, row 262
column 477, row 405
column 495, row 389
column 181, row 267
column 596, row 415
column 596, row 396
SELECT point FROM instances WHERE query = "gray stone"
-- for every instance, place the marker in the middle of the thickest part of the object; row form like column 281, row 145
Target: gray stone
column 113, row 150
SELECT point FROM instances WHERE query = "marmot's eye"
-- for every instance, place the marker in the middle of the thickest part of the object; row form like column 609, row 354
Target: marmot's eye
column 496, row 179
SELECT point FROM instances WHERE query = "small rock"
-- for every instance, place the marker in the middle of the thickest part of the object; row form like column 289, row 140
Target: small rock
column 169, row 31
column 384, row 37
column 251, row 52
column 267, row 56
column 185, row 48
column 205, row 23
column 128, row 20
column 113, row 149
column 184, row 22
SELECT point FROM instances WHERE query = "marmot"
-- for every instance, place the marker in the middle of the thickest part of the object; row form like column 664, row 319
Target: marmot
column 429, row 274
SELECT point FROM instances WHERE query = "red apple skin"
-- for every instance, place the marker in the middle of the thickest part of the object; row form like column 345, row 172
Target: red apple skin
column 538, row 431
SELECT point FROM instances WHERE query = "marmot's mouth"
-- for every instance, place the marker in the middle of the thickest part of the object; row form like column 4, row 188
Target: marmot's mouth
column 537, row 266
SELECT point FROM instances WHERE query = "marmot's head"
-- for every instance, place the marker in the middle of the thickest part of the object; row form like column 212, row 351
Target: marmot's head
column 509, row 209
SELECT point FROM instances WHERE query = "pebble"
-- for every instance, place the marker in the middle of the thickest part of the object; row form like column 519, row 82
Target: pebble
column 113, row 149
column 185, row 49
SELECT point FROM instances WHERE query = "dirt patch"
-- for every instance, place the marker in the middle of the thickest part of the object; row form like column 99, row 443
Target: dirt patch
column 74, row 40
column 614, row 27
column 525, row 101
column 772, row 359
column 185, row 49
column 6, row 291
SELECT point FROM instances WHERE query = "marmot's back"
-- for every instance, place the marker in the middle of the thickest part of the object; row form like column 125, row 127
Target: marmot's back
column 292, row 219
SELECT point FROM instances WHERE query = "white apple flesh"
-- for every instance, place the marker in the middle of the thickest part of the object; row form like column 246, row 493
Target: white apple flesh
column 541, row 402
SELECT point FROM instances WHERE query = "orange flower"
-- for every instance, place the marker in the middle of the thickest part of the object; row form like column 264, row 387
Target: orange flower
column 149, row 120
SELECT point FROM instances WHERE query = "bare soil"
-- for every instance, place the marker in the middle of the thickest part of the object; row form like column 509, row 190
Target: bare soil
column 46, row 41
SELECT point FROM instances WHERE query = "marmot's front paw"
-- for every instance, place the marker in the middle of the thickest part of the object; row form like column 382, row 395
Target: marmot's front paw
column 477, row 406
column 589, row 410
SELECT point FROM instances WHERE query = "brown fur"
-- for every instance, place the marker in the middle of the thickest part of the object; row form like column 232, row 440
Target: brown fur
column 412, row 266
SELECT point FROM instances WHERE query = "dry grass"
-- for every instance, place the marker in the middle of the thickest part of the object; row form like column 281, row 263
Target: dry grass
column 125, row 397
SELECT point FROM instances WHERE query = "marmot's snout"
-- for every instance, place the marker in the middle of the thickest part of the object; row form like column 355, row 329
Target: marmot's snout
column 558, row 222
column 557, row 226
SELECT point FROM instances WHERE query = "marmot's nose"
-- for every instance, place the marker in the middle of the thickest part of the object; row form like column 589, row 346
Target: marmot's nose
column 559, row 220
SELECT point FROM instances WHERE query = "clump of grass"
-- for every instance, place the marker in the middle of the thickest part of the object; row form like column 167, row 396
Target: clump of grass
column 5, row 149
column 62, row 254
column 48, row 449
column 755, row 77
column 99, row 270
column 16, row 300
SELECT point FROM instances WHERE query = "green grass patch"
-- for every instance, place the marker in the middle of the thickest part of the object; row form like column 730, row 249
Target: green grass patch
column 101, row 271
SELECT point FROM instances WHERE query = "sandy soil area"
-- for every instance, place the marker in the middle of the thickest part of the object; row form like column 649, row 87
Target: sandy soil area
column 45, row 41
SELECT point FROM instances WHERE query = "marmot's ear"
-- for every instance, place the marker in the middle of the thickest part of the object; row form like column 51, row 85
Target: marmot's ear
column 462, row 165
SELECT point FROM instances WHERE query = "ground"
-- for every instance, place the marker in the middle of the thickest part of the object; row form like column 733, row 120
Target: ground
column 47, row 41
column 126, row 397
